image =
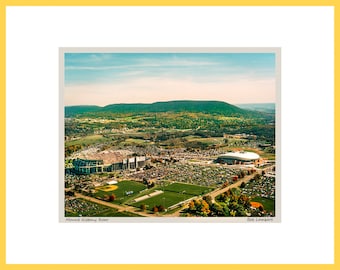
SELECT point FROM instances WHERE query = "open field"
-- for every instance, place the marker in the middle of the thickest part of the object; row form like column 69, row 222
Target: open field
column 82, row 208
column 210, row 140
column 120, row 192
column 166, row 199
column 131, row 141
column 187, row 189
column 107, row 188
column 268, row 204
column 87, row 140
column 126, row 186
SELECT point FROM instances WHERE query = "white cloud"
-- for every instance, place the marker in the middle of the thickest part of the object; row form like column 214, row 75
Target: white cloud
column 144, row 64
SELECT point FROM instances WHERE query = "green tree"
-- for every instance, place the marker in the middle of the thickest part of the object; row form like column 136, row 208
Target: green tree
column 192, row 206
column 257, row 177
column 208, row 199
column 217, row 210
column 205, row 209
column 242, row 174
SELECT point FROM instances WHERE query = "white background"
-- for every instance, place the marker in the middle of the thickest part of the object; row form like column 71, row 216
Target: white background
column 34, row 35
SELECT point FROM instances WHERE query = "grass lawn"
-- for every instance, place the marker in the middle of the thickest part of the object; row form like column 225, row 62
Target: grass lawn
column 87, row 140
column 125, row 214
column 123, row 187
column 210, row 140
column 134, row 141
column 91, row 209
column 187, row 189
column 268, row 204
column 166, row 199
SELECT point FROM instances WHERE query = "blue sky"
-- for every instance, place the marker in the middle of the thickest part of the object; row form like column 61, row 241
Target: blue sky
column 106, row 78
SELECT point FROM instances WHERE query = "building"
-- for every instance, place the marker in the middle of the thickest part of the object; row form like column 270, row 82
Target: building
column 89, row 166
column 127, row 164
column 240, row 157
column 84, row 166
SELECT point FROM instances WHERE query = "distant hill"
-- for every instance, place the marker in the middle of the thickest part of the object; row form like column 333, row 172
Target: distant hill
column 217, row 107
column 260, row 107
column 71, row 111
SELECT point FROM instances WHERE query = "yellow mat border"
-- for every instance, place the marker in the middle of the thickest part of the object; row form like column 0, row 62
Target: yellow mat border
column 5, row 3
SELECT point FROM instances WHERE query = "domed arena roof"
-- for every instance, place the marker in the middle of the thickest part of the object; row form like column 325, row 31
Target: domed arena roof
column 245, row 156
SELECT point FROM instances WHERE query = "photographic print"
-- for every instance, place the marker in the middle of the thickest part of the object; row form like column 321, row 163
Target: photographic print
column 169, row 134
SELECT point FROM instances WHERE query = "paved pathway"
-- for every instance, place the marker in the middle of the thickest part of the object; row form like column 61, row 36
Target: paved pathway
column 130, row 209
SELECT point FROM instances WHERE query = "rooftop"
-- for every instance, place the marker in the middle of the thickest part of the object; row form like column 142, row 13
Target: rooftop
column 108, row 156
column 241, row 155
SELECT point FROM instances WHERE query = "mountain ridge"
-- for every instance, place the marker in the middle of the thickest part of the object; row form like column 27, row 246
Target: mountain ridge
column 203, row 106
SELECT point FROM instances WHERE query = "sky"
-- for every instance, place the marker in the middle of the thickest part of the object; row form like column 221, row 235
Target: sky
column 109, row 78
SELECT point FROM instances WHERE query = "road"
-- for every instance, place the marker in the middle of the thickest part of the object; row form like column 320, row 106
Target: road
column 115, row 206
column 246, row 179
column 217, row 192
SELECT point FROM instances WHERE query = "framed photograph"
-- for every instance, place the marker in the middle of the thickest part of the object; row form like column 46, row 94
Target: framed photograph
column 40, row 71
column 170, row 135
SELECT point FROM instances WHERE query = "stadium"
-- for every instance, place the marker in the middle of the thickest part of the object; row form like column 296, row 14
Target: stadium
column 245, row 158
column 89, row 166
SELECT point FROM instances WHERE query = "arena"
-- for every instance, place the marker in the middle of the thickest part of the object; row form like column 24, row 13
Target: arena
column 245, row 158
